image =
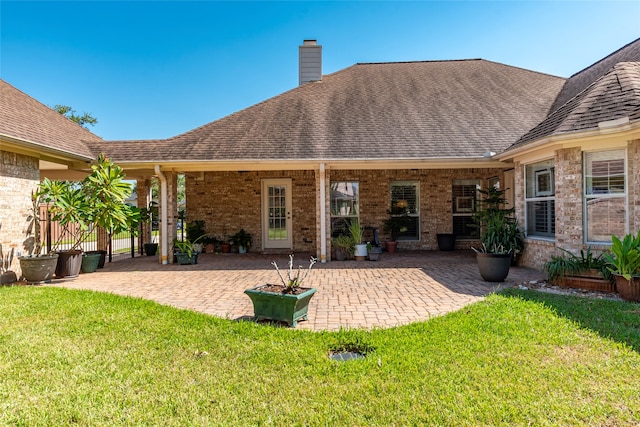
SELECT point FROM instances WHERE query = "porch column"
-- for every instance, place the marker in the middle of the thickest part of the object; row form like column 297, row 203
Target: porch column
column 168, row 213
column 633, row 185
column 322, row 248
column 143, row 186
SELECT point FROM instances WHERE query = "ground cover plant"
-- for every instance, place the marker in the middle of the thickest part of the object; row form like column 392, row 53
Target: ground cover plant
column 517, row 358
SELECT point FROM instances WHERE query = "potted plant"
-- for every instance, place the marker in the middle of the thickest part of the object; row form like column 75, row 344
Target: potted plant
column 397, row 222
column 357, row 235
column 624, row 263
column 242, row 240
column 97, row 201
column 585, row 271
column 210, row 243
column 185, row 252
column 287, row 302
column 374, row 252
column 35, row 267
column 195, row 233
column 344, row 247
column 446, row 241
column 499, row 234
column 147, row 216
column 6, row 275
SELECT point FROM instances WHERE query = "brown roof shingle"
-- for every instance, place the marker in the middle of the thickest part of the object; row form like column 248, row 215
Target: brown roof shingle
column 27, row 120
column 434, row 109
column 614, row 95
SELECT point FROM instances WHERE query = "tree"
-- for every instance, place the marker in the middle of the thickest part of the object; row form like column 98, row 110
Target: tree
column 70, row 113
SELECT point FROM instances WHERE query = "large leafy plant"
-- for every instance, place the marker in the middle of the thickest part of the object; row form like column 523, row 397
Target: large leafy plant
column 499, row 232
column 624, row 258
column 98, row 200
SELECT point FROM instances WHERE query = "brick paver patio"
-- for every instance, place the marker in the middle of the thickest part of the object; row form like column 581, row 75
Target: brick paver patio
column 399, row 289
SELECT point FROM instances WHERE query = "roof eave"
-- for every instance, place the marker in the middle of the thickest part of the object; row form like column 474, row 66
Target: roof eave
column 41, row 151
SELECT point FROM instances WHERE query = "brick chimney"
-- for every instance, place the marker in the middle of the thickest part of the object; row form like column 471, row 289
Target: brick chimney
column 310, row 62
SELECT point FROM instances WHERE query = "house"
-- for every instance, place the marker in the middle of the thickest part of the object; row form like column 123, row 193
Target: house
column 293, row 170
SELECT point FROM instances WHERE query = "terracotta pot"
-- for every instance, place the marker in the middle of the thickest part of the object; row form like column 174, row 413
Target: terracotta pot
column 391, row 247
column 226, row 248
column 629, row 290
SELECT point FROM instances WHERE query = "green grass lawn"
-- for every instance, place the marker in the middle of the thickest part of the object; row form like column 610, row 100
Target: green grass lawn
column 517, row 358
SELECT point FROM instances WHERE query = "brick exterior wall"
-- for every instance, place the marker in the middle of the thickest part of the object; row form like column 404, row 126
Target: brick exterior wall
column 634, row 185
column 19, row 175
column 568, row 188
column 228, row 201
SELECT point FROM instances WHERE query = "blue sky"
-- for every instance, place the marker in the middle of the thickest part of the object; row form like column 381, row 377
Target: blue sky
column 157, row 69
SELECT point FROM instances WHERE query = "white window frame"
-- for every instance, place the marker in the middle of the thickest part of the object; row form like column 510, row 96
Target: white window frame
column 540, row 194
column 586, row 197
column 470, row 203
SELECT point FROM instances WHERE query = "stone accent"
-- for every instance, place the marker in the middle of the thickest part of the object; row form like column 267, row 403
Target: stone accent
column 19, row 176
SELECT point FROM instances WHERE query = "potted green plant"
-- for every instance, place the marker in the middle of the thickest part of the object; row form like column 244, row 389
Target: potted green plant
column 500, row 236
column 185, row 252
column 343, row 246
column 397, row 222
column 373, row 252
column 585, row 271
column 624, row 263
column 195, row 233
column 242, row 240
column 35, row 266
column 286, row 302
column 147, row 216
column 357, row 235
column 96, row 201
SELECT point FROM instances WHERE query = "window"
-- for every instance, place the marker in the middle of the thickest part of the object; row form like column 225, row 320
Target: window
column 540, row 200
column 464, row 200
column 344, row 206
column 405, row 201
column 604, row 195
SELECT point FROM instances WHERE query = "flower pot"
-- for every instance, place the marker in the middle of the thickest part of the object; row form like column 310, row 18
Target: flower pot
column 8, row 277
column 391, row 247
column 587, row 283
column 242, row 249
column 446, row 241
column 69, row 264
column 374, row 253
column 629, row 290
column 493, row 267
column 226, row 248
column 209, row 248
column 341, row 254
column 278, row 306
column 38, row 269
column 361, row 252
column 150, row 249
column 90, row 262
column 183, row 258
column 103, row 256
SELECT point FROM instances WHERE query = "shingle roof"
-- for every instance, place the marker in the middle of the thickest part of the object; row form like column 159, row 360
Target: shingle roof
column 25, row 119
column 585, row 78
column 449, row 109
column 613, row 96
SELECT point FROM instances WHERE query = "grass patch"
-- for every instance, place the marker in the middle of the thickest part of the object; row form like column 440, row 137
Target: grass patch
column 516, row 358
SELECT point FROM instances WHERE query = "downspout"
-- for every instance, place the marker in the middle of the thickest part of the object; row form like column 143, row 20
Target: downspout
column 164, row 247
column 323, row 215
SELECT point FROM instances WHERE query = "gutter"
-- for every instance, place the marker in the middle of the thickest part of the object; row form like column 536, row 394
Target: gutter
column 164, row 247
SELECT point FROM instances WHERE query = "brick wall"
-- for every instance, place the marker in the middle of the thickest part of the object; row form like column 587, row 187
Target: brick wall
column 634, row 185
column 568, row 188
column 19, row 175
column 228, row 201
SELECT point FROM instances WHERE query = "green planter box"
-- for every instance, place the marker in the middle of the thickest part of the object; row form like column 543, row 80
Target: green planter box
column 281, row 307
column 90, row 262
column 183, row 258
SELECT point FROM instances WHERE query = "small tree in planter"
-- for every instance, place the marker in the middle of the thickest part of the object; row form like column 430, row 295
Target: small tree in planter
column 357, row 235
column 624, row 263
column 286, row 302
column 398, row 222
column 344, row 247
column 499, row 234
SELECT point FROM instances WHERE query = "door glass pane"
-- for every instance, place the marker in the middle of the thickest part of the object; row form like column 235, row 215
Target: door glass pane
column 277, row 213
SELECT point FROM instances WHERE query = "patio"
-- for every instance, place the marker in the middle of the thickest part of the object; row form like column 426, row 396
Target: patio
column 400, row 288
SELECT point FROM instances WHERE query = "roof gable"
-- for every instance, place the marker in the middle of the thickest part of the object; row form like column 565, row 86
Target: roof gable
column 24, row 119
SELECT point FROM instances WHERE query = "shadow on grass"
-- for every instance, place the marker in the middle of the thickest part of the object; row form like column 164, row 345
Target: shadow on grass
column 616, row 320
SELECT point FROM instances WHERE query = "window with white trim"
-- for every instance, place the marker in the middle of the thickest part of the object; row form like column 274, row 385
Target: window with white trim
column 464, row 199
column 405, row 201
column 344, row 206
column 605, row 196
column 540, row 199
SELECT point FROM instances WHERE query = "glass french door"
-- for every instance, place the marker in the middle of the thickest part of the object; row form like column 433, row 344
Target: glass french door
column 276, row 213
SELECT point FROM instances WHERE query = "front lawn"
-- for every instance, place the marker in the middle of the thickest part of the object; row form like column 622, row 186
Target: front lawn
column 517, row 358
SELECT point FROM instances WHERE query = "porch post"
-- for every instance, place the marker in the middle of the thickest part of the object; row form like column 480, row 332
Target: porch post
column 164, row 246
column 323, row 215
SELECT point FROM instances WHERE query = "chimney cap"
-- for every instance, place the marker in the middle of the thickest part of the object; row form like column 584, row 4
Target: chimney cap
column 310, row 42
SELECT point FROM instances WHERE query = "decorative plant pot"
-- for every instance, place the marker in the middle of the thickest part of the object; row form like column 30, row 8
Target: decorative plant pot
column 8, row 277
column 150, row 249
column 587, row 282
column 103, row 257
column 242, row 249
column 226, row 248
column 341, row 254
column 374, row 253
column 493, row 267
column 90, row 262
column 361, row 252
column 629, row 290
column 446, row 241
column 183, row 258
column 209, row 248
column 391, row 247
column 278, row 306
column 69, row 264
column 38, row 269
